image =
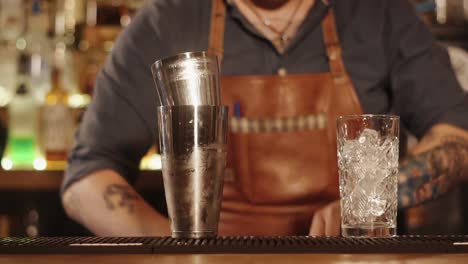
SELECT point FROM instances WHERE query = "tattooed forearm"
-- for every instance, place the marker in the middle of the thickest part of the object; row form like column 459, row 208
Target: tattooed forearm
column 426, row 176
column 120, row 196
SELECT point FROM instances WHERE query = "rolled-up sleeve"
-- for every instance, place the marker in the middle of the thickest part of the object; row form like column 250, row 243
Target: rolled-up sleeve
column 423, row 84
column 119, row 126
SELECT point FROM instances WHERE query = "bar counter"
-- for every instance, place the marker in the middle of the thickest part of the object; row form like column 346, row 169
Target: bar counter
column 238, row 258
column 50, row 180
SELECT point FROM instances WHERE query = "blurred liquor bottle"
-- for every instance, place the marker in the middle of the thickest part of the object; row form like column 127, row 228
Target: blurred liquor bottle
column 8, row 73
column 7, row 89
column 12, row 26
column 37, row 45
column 67, row 15
column 21, row 150
column 8, row 86
column 12, row 19
column 104, row 21
column 56, row 123
column 22, row 121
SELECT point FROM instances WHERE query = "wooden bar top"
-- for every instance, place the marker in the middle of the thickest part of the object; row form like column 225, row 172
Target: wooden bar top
column 51, row 180
column 237, row 258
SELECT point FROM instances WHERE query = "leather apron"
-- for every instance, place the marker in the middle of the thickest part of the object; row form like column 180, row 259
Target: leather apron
column 282, row 164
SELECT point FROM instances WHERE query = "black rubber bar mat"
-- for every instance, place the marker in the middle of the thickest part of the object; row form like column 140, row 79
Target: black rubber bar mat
column 233, row 245
column 77, row 245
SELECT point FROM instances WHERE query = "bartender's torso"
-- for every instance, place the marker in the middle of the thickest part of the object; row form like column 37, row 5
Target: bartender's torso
column 282, row 143
column 276, row 184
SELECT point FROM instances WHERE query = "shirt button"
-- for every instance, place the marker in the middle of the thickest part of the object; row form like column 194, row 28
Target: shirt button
column 282, row 71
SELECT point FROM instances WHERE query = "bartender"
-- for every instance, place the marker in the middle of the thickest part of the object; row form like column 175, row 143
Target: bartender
column 280, row 59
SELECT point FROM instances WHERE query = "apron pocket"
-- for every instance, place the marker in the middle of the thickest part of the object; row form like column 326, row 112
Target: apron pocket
column 283, row 160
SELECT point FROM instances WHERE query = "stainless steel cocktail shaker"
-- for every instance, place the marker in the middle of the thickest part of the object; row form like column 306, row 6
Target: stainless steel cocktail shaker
column 193, row 136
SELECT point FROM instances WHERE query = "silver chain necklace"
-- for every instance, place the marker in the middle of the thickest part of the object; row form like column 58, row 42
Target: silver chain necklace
column 281, row 34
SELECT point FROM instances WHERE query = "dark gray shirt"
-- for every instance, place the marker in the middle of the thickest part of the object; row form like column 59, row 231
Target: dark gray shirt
column 391, row 56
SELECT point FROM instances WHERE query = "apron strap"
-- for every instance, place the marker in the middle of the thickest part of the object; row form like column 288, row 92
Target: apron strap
column 216, row 38
column 332, row 44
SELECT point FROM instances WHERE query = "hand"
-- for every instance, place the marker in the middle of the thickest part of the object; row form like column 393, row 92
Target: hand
column 327, row 221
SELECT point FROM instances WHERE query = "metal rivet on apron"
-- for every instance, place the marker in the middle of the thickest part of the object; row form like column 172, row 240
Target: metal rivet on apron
column 340, row 78
column 333, row 55
column 282, row 71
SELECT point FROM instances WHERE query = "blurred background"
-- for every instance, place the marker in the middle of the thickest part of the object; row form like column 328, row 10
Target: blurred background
column 50, row 54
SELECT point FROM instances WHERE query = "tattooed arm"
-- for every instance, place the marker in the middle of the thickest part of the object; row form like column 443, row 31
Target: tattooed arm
column 437, row 163
column 108, row 206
